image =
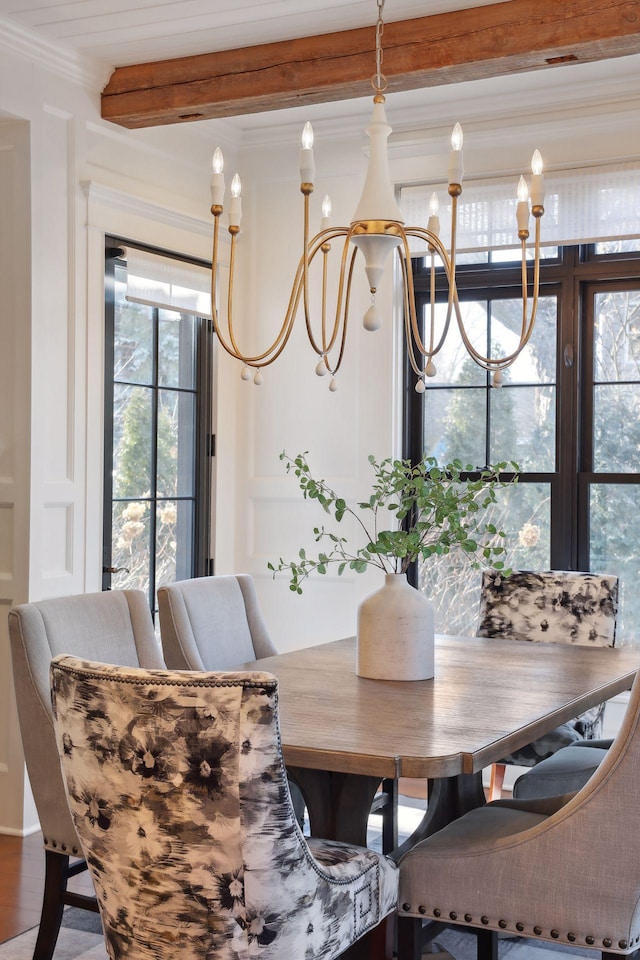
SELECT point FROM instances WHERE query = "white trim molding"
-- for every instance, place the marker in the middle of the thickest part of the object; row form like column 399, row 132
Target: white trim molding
column 64, row 61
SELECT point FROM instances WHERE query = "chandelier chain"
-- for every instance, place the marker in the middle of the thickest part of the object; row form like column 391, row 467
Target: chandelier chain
column 379, row 81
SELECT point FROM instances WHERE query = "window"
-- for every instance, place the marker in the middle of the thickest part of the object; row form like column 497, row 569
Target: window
column 568, row 413
column 157, row 437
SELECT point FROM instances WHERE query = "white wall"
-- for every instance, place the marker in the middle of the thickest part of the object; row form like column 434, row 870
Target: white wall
column 15, row 405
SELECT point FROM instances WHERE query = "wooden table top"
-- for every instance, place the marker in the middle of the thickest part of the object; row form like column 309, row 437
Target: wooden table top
column 488, row 697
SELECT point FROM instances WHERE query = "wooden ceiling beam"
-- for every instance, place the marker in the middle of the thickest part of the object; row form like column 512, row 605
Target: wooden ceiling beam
column 471, row 44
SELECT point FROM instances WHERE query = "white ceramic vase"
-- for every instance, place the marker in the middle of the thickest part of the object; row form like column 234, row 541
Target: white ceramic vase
column 395, row 633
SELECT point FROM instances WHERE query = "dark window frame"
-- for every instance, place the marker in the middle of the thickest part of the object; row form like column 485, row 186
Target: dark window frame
column 575, row 275
column 201, row 562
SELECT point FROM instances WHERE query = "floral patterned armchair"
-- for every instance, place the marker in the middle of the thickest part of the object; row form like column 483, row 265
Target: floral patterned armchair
column 179, row 795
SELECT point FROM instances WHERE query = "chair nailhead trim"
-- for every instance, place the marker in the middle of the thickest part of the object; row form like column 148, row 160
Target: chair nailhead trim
column 54, row 844
column 607, row 942
column 590, row 940
column 437, row 912
column 422, row 909
column 571, row 937
column 519, row 927
column 555, row 934
column 64, row 846
column 468, row 917
column 502, row 924
column 537, row 931
column 74, row 850
column 453, row 915
column 406, row 906
column 484, row 920
column 623, row 944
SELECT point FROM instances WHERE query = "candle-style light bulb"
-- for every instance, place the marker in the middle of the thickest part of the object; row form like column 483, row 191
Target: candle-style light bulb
column 433, row 225
column 536, row 162
column 456, row 165
column 307, row 136
column 307, row 166
column 522, row 209
column 217, row 163
column 537, row 181
column 457, row 137
column 235, row 207
column 326, row 212
column 523, row 190
column 217, row 178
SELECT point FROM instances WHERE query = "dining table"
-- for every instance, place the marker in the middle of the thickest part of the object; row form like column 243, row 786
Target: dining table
column 343, row 734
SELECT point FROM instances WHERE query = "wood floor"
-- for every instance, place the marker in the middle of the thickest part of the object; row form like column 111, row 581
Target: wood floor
column 22, row 884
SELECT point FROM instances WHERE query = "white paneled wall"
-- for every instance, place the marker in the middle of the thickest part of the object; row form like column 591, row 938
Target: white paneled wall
column 15, row 338
column 53, row 149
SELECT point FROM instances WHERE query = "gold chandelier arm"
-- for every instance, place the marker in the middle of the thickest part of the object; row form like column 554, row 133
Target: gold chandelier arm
column 409, row 316
column 500, row 363
column 436, row 244
column 325, row 264
column 316, row 244
column 345, row 318
column 230, row 345
column 432, row 299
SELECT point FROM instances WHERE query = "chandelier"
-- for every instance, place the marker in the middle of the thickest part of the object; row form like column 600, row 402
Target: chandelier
column 377, row 229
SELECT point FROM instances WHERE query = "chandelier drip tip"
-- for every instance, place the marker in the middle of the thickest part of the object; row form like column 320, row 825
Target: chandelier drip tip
column 376, row 230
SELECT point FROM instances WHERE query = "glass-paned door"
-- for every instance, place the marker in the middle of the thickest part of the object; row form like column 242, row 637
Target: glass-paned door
column 156, row 437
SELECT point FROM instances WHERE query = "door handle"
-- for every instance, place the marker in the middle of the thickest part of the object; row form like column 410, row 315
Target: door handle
column 115, row 570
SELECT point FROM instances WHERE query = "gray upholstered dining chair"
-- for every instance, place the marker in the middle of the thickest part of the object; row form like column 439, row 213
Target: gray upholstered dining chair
column 564, row 870
column 212, row 623
column 178, row 791
column 563, row 772
column 115, row 626
column 549, row 607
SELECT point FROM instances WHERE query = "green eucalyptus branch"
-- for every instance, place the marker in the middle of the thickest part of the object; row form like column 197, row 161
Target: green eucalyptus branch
column 434, row 510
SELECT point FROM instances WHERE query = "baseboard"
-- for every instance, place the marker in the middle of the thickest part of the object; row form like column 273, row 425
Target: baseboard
column 13, row 832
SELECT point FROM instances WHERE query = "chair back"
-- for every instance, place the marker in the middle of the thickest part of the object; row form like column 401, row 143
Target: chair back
column 178, row 790
column 549, row 607
column 115, row 627
column 212, row 623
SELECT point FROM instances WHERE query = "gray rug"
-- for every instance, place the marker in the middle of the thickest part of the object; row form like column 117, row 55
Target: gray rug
column 72, row 945
column 81, row 944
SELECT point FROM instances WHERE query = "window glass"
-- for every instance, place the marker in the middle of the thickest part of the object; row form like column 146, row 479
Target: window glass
column 157, row 424
column 523, row 511
column 572, row 422
column 614, row 534
column 616, row 374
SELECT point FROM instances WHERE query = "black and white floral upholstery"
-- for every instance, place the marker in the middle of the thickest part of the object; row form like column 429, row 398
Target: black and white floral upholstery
column 551, row 607
column 178, row 791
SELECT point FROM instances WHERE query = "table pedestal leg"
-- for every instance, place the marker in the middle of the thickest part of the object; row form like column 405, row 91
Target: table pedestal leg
column 338, row 804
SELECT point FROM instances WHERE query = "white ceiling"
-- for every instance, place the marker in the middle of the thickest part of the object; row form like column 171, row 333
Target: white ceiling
column 120, row 32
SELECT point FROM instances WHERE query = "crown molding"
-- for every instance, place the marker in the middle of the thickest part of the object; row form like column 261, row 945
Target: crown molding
column 145, row 209
column 90, row 74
